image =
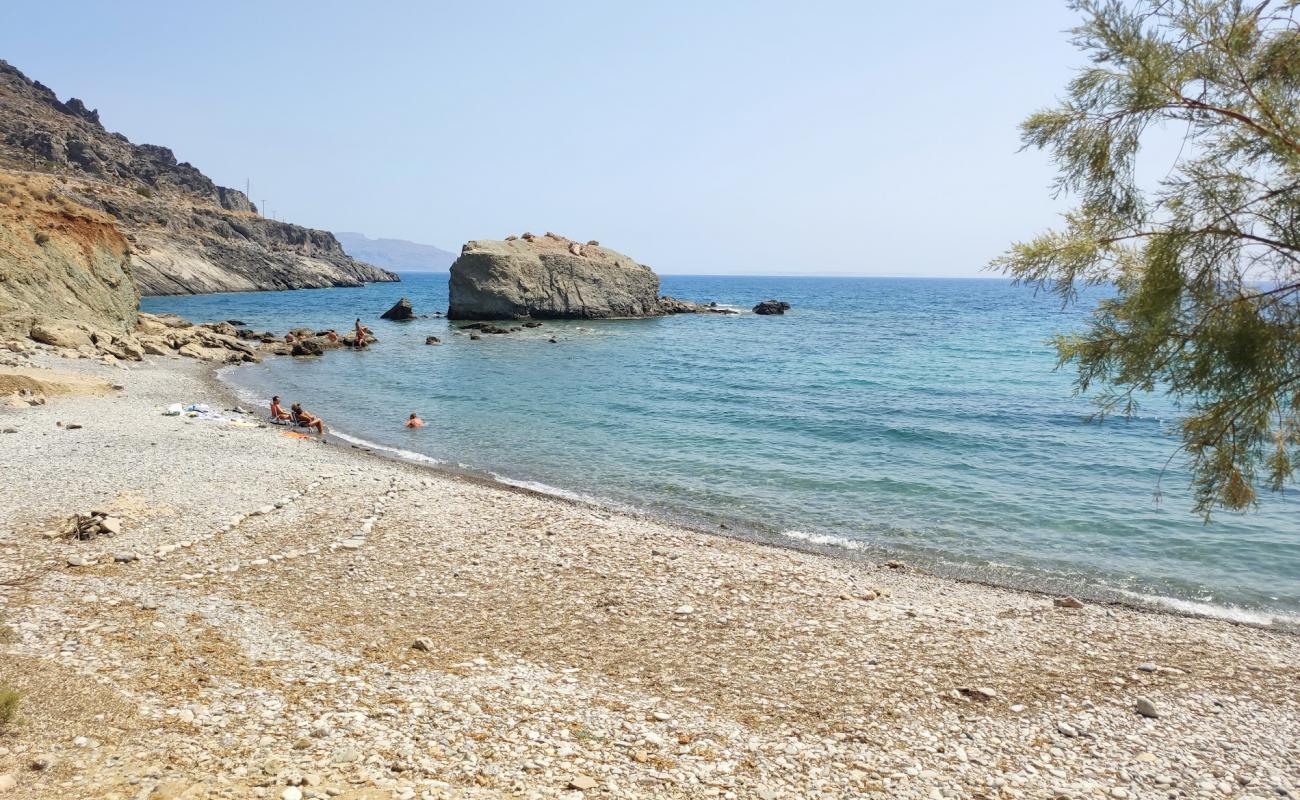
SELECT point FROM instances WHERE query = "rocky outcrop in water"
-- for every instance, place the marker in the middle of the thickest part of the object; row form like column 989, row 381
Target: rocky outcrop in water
column 769, row 307
column 553, row 277
column 185, row 234
column 400, row 312
column 549, row 277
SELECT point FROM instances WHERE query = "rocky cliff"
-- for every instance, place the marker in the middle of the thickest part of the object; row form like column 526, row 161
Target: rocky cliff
column 185, row 233
column 61, row 264
column 549, row 277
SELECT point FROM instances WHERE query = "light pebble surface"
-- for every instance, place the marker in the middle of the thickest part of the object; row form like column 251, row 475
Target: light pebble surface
column 303, row 620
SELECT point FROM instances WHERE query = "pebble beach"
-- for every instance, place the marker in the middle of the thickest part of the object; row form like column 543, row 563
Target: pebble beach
column 284, row 618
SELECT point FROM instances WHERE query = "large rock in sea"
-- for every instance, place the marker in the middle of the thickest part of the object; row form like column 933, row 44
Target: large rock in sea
column 400, row 312
column 549, row 277
column 772, row 307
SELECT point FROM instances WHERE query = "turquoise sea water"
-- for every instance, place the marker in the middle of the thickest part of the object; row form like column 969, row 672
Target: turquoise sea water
column 916, row 417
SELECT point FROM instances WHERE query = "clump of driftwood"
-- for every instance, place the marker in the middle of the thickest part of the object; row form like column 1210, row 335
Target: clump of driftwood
column 92, row 525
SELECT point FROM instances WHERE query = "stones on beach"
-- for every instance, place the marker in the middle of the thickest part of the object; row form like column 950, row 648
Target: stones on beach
column 422, row 643
column 1067, row 602
column 77, row 561
column 7, row 782
column 582, row 783
column 42, row 761
column 125, row 557
column 1146, row 707
column 894, row 563
column 1067, row 730
column 402, row 311
column 1147, row 667
column 684, row 610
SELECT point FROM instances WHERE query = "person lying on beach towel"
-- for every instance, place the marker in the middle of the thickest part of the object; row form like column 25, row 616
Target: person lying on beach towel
column 278, row 414
column 306, row 419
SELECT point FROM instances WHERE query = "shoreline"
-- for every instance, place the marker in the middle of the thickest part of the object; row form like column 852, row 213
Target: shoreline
column 867, row 553
column 279, row 614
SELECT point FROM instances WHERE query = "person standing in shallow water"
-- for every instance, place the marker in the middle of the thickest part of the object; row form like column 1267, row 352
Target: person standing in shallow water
column 414, row 421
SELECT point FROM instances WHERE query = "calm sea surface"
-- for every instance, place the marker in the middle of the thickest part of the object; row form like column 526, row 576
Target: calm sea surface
column 921, row 418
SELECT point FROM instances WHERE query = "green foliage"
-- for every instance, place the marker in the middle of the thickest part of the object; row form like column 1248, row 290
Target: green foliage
column 9, row 699
column 144, row 191
column 1205, row 263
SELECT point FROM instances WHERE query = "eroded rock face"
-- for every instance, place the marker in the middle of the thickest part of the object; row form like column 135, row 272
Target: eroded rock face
column 549, row 278
column 65, row 270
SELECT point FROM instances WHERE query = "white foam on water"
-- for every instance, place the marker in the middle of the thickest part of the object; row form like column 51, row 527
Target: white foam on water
column 1204, row 609
column 823, row 539
column 1180, row 605
column 406, row 455
column 553, row 491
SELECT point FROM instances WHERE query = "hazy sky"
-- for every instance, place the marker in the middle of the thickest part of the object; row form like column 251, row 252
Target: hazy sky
column 714, row 137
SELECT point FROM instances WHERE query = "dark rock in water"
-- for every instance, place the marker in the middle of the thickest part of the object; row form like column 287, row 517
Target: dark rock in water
column 307, row 347
column 772, row 307
column 474, row 337
column 303, row 333
column 236, row 322
column 553, row 340
column 671, row 305
column 400, row 311
column 247, row 333
column 432, row 340
column 532, row 324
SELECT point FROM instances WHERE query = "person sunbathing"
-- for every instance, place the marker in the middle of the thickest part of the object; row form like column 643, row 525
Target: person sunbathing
column 306, row 419
column 278, row 414
column 414, row 421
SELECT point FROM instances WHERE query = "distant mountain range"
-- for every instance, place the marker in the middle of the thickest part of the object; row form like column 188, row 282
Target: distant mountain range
column 395, row 254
